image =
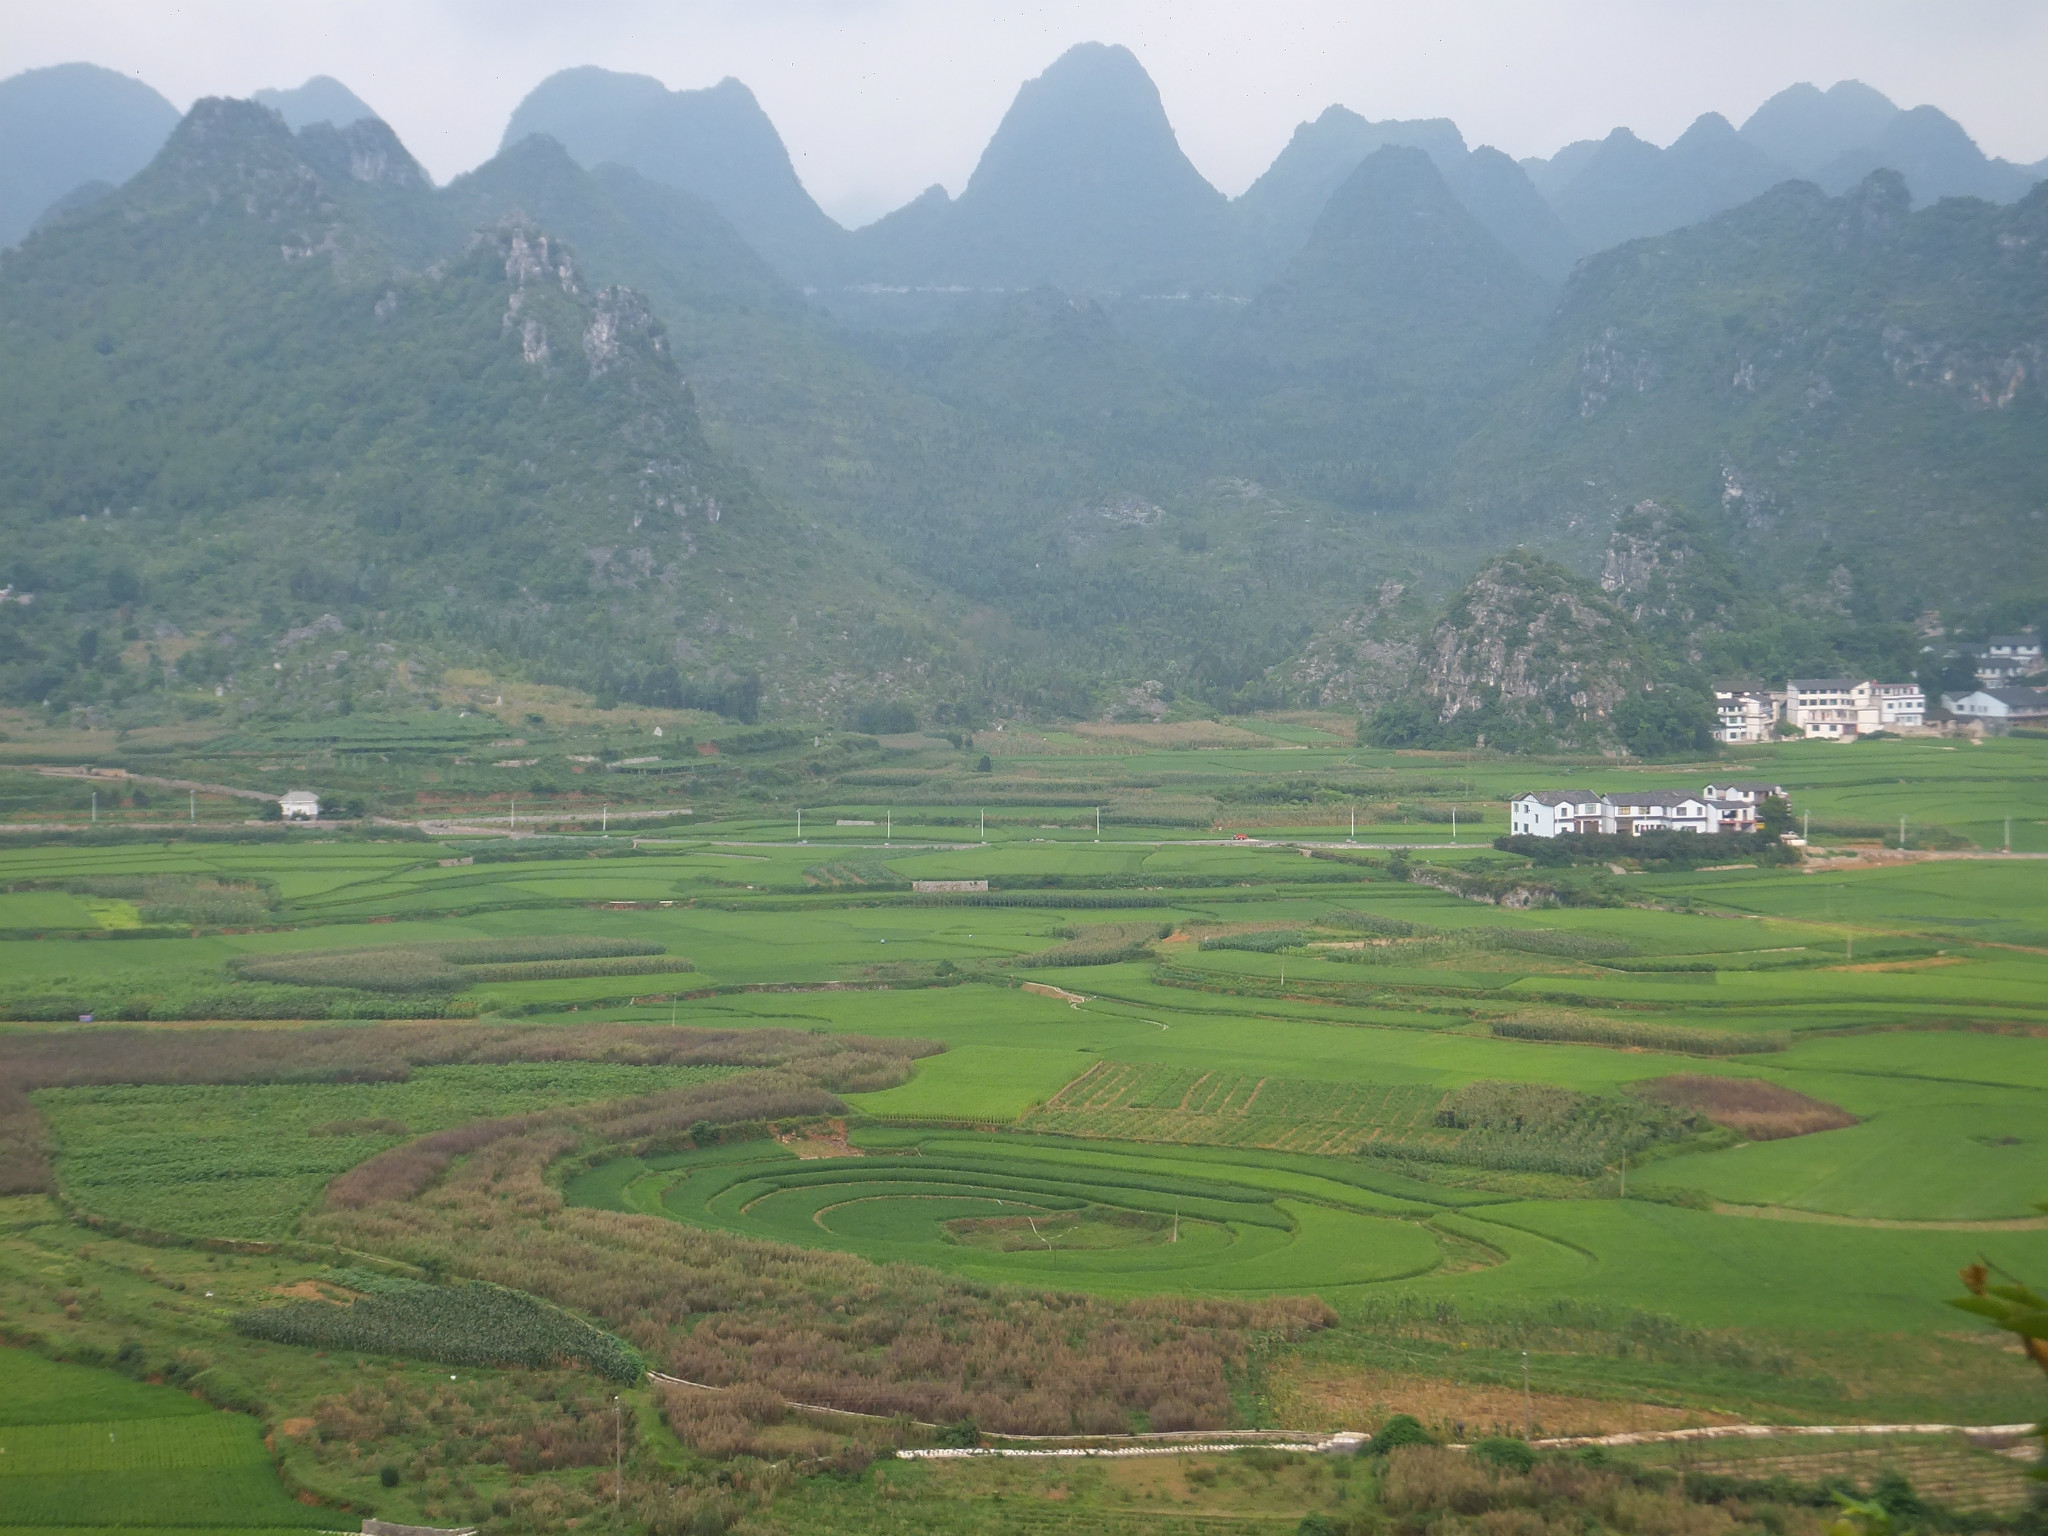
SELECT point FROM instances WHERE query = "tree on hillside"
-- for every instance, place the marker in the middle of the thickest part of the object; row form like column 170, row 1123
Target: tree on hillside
column 1666, row 722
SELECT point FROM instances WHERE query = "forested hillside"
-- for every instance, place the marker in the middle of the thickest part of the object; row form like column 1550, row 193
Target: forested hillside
column 1843, row 384
column 622, row 409
column 228, row 410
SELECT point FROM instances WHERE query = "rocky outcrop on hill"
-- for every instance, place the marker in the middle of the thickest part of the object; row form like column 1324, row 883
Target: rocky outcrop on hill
column 1664, row 573
column 1529, row 639
column 1363, row 659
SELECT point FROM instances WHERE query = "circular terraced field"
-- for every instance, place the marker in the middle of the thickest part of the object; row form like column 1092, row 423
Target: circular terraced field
column 1005, row 1208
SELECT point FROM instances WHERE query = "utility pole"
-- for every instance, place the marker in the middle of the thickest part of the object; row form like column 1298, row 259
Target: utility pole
column 1902, row 834
column 888, row 827
column 984, row 826
column 1098, row 823
column 95, row 807
column 1454, row 823
column 515, row 813
column 799, row 823
column 1354, row 825
column 1528, row 1407
column 604, row 822
column 1806, row 826
column 2008, row 821
column 618, row 1454
column 1176, row 1220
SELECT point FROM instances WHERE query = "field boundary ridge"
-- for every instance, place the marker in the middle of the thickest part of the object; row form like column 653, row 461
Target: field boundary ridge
column 1987, row 1432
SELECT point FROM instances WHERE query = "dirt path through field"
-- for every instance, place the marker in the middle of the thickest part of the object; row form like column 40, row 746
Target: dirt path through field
column 1828, row 1219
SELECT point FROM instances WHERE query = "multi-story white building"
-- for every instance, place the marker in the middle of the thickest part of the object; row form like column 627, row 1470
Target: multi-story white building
column 1898, row 704
column 1746, row 714
column 1553, row 813
column 2007, row 658
column 1666, row 811
column 1746, row 791
column 1731, row 815
column 1844, row 708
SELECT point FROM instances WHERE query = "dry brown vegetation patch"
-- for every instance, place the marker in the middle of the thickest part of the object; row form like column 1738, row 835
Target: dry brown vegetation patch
column 1181, row 733
column 304, row 1290
column 98, row 1055
column 808, row 1326
column 1330, row 1397
column 1749, row 1106
column 1456, row 1495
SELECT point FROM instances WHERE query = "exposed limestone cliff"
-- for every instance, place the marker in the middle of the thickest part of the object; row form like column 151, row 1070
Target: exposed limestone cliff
column 1665, row 574
column 1363, row 659
column 1533, row 641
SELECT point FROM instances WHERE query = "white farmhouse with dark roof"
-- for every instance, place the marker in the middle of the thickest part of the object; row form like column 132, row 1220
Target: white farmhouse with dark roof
column 1721, row 808
column 299, row 805
column 1748, row 791
column 1998, row 707
column 1551, row 813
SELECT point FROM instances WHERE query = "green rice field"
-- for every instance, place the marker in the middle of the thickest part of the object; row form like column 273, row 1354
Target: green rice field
column 81, row 1448
column 1770, row 1107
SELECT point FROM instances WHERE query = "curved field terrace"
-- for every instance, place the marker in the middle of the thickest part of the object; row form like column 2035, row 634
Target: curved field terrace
column 1032, row 1210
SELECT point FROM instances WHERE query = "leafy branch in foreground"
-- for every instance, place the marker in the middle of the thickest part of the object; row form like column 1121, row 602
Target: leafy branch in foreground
column 2018, row 1309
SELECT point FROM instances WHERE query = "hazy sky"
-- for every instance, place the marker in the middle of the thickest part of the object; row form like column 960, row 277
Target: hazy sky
column 878, row 99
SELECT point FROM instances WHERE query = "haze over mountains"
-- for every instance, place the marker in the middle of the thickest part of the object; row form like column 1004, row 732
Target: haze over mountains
column 625, row 408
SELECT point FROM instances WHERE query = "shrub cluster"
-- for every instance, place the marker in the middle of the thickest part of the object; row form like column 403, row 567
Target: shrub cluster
column 1523, row 889
column 562, row 970
column 1416, row 951
column 1537, row 1128
column 869, row 873
column 1549, row 941
column 1658, row 850
column 1103, row 944
column 450, row 967
column 474, row 1324
column 181, row 900
column 1682, row 1039
column 561, row 946
column 1373, row 923
column 532, row 1422
column 1267, row 941
column 394, row 969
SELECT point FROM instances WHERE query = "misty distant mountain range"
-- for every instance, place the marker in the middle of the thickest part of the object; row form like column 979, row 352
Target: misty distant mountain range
column 623, row 408
column 1084, row 186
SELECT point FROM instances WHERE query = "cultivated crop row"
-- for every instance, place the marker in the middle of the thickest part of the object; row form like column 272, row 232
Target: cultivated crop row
column 476, row 1324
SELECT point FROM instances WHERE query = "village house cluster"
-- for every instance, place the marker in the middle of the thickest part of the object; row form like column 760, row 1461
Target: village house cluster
column 1717, row 808
column 1819, row 708
column 1851, row 708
